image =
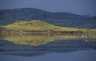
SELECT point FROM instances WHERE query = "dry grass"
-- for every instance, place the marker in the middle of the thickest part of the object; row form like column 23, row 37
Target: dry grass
column 37, row 25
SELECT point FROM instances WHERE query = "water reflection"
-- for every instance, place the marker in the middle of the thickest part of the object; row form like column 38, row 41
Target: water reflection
column 37, row 40
column 40, row 45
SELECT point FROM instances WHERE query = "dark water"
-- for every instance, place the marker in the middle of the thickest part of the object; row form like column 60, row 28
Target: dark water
column 60, row 50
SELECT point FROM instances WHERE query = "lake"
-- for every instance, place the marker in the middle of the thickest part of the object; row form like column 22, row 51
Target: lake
column 47, row 48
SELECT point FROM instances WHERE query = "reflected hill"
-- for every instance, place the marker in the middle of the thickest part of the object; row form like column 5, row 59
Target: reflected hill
column 59, row 46
column 37, row 40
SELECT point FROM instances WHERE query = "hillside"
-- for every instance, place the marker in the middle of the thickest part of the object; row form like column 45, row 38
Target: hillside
column 33, row 13
column 29, row 25
column 36, row 25
column 21, row 33
column 8, row 16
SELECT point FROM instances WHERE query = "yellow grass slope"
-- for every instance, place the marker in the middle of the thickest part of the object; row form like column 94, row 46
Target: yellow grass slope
column 37, row 25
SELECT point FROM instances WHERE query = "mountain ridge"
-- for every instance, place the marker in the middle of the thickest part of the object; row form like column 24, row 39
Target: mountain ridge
column 9, row 16
column 40, row 10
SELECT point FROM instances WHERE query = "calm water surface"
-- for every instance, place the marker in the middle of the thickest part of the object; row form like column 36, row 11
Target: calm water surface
column 58, row 50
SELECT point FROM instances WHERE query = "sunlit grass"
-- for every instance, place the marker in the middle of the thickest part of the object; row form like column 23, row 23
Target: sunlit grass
column 40, row 26
column 37, row 25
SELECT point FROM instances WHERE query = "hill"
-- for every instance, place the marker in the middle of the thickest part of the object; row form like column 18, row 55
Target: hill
column 22, row 32
column 8, row 16
column 35, row 25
